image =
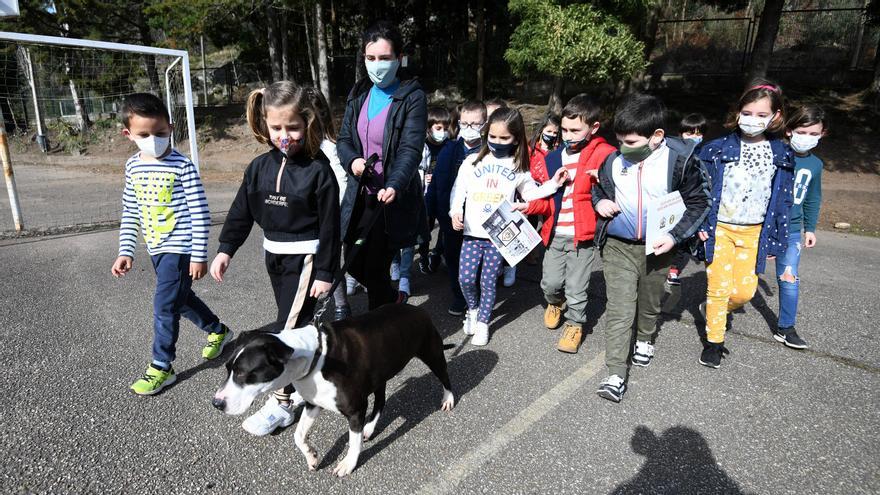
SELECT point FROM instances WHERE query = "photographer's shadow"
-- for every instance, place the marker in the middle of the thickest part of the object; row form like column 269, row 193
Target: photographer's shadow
column 419, row 397
column 677, row 462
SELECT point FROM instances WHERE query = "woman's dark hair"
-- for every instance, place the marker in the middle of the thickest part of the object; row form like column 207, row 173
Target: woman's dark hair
column 639, row 114
column 143, row 105
column 386, row 31
column 806, row 115
column 515, row 126
column 692, row 122
column 759, row 89
column 549, row 119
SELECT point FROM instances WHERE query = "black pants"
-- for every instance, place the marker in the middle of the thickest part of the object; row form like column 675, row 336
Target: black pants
column 452, row 240
column 371, row 265
column 292, row 276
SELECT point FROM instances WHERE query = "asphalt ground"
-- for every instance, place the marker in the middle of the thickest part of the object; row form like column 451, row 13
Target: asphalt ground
column 771, row 420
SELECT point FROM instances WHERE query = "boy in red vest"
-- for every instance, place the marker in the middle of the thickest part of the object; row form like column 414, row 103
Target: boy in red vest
column 570, row 220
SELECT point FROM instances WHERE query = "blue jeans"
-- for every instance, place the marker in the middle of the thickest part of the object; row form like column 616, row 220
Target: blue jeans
column 787, row 265
column 174, row 297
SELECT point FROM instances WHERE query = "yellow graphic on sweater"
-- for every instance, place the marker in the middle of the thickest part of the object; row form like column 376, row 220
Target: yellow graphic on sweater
column 154, row 191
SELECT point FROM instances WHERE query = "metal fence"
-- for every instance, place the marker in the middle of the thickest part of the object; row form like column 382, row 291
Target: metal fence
column 818, row 40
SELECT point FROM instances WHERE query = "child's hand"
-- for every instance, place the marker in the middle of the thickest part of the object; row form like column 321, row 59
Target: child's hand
column 809, row 239
column 703, row 235
column 519, row 207
column 458, row 221
column 561, row 176
column 219, row 266
column 607, row 208
column 197, row 270
column 663, row 245
column 319, row 289
column 121, row 266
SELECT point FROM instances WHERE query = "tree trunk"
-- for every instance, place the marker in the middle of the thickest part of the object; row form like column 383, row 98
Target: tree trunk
column 147, row 40
column 286, row 61
column 481, row 47
column 768, row 27
column 555, row 104
column 312, row 67
column 82, row 114
column 272, row 40
column 334, row 31
column 320, row 34
column 360, row 70
column 875, row 86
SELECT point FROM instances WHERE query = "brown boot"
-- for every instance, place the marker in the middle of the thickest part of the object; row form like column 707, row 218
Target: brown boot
column 571, row 338
column 553, row 316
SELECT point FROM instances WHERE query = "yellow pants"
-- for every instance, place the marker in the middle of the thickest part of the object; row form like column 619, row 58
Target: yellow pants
column 731, row 279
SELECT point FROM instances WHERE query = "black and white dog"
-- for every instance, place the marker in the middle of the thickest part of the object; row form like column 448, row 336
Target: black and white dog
column 336, row 367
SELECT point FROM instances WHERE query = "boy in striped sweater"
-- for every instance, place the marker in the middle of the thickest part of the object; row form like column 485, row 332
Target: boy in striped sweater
column 164, row 198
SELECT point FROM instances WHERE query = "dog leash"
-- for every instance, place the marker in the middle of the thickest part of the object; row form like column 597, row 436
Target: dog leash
column 365, row 225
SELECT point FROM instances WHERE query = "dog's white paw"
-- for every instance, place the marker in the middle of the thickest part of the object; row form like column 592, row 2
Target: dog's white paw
column 344, row 468
column 312, row 459
column 368, row 432
column 448, row 401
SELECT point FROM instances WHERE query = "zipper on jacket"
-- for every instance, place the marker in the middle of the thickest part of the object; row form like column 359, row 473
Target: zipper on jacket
column 280, row 173
column 639, row 202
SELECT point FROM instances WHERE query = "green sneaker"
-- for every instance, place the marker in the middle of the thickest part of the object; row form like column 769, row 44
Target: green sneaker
column 153, row 381
column 216, row 343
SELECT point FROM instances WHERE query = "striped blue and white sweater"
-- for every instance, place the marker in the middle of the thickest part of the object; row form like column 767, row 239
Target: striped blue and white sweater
column 164, row 198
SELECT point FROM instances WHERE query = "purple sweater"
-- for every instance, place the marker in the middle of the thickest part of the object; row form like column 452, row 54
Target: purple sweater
column 372, row 135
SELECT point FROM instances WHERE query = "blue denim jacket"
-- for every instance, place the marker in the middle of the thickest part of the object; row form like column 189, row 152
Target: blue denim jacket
column 714, row 156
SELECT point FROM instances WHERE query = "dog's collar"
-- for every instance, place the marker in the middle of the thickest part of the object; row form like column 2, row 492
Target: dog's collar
column 318, row 351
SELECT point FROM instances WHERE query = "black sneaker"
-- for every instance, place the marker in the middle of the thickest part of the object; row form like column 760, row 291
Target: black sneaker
column 612, row 388
column 457, row 309
column 712, row 354
column 672, row 279
column 643, row 353
column 424, row 266
column 434, row 260
column 790, row 338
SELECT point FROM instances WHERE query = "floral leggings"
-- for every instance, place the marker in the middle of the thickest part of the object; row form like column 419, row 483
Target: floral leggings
column 473, row 252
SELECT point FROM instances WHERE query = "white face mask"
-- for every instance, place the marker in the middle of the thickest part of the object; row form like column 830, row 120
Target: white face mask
column 803, row 143
column 439, row 136
column 383, row 73
column 752, row 125
column 153, row 145
column 470, row 135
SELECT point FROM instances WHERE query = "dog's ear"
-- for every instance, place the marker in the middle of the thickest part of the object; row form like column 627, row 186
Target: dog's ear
column 277, row 354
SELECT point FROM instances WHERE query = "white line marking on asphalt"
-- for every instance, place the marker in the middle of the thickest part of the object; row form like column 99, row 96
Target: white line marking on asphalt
column 531, row 414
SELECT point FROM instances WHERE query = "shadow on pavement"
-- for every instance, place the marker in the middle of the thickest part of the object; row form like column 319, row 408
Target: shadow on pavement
column 678, row 461
column 417, row 398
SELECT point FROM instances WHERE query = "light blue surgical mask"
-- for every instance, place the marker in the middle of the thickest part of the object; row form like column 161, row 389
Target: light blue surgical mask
column 696, row 139
column 383, row 73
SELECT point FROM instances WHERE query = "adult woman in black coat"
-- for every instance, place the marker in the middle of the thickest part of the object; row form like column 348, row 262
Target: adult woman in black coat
column 388, row 117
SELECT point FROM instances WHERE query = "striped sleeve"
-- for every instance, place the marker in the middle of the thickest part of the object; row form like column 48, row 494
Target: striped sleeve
column 130, row 222
column 197, row 204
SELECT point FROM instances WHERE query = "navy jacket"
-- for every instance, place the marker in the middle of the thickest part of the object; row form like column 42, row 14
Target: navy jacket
column 445, row 172
column 405, row 218
column 774, row 233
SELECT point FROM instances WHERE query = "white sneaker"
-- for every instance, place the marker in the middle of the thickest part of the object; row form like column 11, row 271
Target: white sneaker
column 470, row 320
column 643, row 353
column 351, row 285
column 481, row 334
column 270, row 416
column 395, row 272
column 509, row 276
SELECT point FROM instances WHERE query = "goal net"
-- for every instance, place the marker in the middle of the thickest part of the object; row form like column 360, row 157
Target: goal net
column 61, row 101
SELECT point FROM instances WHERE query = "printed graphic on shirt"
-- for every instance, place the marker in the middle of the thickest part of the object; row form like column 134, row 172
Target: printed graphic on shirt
column 154, row 191
column 747, row 185
column 801, row 184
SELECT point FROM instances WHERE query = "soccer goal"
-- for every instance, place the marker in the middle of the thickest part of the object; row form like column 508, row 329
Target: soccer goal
column 63, row 96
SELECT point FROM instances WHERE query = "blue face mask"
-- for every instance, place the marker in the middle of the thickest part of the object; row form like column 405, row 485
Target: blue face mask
column 501, row 150
column 696, row 139
column 574, row 146
column 383, row 73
